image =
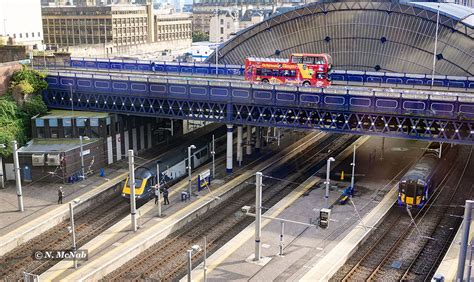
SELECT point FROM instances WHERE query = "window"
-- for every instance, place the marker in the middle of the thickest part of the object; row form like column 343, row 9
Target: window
column 228, row 25
column 222, row 21
column 222, row 30
column 308, row 60
column 32, row 34
column 26, row 34
column 21, row 35
column 297, row 60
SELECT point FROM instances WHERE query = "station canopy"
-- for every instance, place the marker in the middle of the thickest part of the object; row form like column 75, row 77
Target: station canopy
column 368, row 36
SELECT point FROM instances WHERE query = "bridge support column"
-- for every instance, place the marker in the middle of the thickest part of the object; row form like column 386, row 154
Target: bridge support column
column 258, row 139
column 229, row 149
column 239, row 144
column 249, row 140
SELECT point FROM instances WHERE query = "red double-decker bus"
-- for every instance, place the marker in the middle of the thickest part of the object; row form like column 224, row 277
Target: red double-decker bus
column 300, row 69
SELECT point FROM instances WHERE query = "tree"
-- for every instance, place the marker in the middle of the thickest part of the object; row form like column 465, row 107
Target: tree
column 200, row 36
column 22, row 102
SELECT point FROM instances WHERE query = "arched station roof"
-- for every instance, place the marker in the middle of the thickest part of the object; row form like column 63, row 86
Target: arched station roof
column 369, row 36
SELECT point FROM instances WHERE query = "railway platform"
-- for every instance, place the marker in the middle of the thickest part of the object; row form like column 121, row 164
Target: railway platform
column 448, row 267
column 119, row 244
column 304, row 246
column 41, row 208
column 40, row 200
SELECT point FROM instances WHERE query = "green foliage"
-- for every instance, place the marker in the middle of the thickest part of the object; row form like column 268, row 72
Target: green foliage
column 16, row 114
column 200, row 36
column 29, row 76
column 34, row 106
column 12, row 125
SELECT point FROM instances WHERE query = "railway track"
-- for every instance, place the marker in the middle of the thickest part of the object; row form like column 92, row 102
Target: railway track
column 88, row 224
column 166, row 260
column 402, row 250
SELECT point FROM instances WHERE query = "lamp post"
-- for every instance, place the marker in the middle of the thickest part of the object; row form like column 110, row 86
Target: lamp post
column 2, row 182
column 81, row 138
column 17, row 177
column 131, row 184
column 158, row 186
column 73, row 232
column 353, row 164
column 213, row 153
column 189, row 169
column 72, row 100
column 328, row 171
column 194, row 248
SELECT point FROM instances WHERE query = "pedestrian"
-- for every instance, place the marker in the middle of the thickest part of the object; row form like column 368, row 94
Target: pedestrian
column 60, row 195
column 165, row 196
column 157, row 195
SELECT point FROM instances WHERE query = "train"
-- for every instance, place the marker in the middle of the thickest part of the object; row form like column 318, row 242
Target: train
column 174, row 162
column 420, row 181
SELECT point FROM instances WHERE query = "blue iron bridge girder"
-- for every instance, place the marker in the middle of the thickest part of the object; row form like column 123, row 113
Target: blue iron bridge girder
column 333, row 120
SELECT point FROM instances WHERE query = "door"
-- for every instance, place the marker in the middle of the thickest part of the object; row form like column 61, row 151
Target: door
column 26, row 173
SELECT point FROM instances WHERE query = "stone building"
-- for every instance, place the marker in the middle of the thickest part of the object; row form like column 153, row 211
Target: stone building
column 115, row 24
column 123, row 28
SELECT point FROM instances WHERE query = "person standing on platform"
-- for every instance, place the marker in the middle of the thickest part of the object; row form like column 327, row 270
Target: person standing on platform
column 157, row 195
column 60, row 195
column 165, row 196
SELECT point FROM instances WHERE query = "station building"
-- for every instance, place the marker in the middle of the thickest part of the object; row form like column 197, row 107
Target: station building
column 53, row 155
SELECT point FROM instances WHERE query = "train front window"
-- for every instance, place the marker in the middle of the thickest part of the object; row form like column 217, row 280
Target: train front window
column 138, row 183
column 411, row 189
column 421, row 190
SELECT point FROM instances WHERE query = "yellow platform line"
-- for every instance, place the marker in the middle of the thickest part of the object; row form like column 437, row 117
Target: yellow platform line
column 107, row 235
column 56, row 214
column 327, row 265
column 223, row 253
column 91, row 268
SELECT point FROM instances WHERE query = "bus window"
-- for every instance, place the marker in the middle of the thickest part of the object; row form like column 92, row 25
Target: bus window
column 297, row 60
column 308, row 60
column 320, row 61
column 288, row 73
column 320, row 75
column 275, row 73
column 258, row 72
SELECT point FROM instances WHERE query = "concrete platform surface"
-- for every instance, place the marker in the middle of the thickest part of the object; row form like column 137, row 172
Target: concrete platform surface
column 119, row 244
column 305, row 246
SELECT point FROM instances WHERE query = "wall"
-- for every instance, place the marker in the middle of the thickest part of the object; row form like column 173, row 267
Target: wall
column 9, row 53
column 6, row 71
column 99, row 50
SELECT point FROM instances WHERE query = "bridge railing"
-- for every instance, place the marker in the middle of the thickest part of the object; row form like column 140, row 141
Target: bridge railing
column 233, row 71
column 400, row 101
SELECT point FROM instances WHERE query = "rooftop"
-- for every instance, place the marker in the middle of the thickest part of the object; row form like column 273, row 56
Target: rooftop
column 73, row 114
column 56, row 145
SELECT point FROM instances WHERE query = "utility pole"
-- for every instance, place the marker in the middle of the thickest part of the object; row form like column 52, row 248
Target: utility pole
column 158, row 186
column 464, row 239
column 73, row 232
column 131, row 179
column 205, row 258
column 258, row 215
column 328, row 171
column 189, row 170
column 353, row 164
column 190, row 264
column 435, row 48
column 82, row 159
column 17, row 177
column 213, row 153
